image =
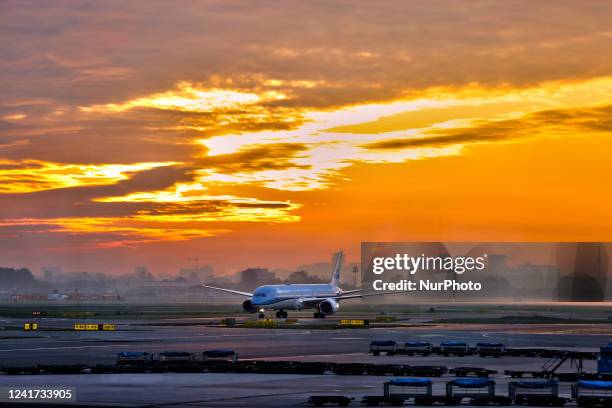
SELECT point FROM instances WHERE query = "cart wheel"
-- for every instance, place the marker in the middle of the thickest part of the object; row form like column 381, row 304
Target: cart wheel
column 423, row 401
column 452, row 401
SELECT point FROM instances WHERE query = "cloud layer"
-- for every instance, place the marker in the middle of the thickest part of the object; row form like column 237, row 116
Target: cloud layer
column 140, row 122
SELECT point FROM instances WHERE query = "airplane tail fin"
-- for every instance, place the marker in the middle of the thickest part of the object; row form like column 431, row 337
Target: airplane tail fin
column 337, row 266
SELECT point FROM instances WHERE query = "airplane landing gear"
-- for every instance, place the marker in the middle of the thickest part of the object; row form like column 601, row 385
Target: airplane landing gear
column 281, row 314
column 319, row 315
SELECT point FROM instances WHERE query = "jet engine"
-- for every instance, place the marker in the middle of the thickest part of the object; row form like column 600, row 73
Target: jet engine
column 328, row 306
column 248, row 307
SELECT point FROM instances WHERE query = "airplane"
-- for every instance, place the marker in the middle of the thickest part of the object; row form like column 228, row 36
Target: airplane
column 322, row 297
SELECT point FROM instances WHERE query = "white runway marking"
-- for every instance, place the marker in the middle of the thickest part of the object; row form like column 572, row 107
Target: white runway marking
column 349, row 338
column 248, row 335
column 60, row 348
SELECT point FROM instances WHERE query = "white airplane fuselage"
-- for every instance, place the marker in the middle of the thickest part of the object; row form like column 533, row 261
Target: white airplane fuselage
column 291, row 297
column 323, row 297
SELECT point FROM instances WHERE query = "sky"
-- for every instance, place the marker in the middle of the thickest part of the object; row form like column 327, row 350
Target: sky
column 263, row 133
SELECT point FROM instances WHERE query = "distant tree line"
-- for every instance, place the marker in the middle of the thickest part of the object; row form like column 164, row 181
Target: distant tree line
column 252, row 277
column 303, row 277
column 13, row 278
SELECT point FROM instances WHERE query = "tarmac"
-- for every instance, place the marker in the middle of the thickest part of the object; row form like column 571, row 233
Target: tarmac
column 19, row 348
column 67, row 346
column 218, row 390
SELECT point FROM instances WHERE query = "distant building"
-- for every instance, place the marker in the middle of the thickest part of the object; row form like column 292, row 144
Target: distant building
column 252, row 277
column 56, row 296
column 79, row 276
column 51, row 271
column 143, row 274
column 202, row 273
column 175, row 290
column 303, row 277
column 27, row 297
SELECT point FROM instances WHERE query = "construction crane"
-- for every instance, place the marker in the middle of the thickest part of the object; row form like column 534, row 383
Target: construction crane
column 195, row 261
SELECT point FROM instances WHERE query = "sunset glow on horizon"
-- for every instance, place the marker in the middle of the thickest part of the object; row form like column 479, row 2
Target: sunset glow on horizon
column 277, row 150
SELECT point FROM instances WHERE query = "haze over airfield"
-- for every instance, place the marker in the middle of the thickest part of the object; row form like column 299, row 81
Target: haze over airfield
column 273, row 133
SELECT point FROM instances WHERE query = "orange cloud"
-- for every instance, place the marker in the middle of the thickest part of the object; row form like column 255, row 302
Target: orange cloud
column 33, row 175
column 160, row 127
column 190, row 98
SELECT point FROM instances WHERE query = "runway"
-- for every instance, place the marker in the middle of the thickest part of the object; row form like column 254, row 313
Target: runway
column 66, row 346
column 80, row 347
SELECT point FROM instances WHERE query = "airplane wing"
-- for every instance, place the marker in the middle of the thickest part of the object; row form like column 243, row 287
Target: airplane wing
column 315, row 301
column 236, row 292
column 361, row 295
column 344, row 292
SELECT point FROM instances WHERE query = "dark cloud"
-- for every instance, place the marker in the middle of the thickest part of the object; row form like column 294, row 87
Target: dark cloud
column 591, row 119
column 4, row 126
column 262, row 205
column 19, row 166
column 266, row 157
column 204, row 207
column 78, row 201
column 347, row 45
column 435, row 141
column 112, row 140
column 55, row 238
column 140, row 135
column 65, row 55
column 70, row 56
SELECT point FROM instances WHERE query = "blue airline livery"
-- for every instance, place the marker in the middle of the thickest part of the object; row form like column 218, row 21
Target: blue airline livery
column 324, row 298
